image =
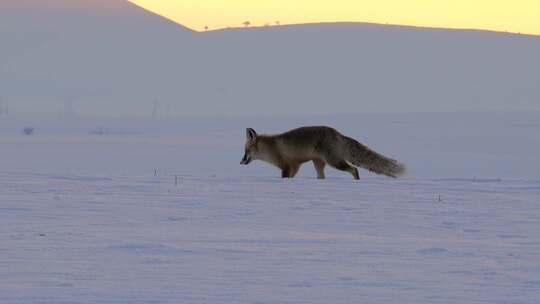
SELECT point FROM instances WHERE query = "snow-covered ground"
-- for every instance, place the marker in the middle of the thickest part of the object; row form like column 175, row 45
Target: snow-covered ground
column 160, row 211
column 143, row 239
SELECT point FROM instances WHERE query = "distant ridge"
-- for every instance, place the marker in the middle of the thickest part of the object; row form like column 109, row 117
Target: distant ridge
column 44, row 16
column 345, row 24
column 28, row 24
column 183, row 27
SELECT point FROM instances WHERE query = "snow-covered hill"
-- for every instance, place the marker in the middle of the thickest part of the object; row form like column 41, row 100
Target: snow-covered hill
column 27, row 25
column 113, row 58
column 100, row 54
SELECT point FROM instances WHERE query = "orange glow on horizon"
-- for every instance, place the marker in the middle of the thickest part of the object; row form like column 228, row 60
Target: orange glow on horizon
column 513, row 16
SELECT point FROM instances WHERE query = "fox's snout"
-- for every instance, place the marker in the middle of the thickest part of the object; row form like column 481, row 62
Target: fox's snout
column 245, row 160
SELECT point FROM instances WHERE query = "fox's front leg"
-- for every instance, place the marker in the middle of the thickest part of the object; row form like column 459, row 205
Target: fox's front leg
column 289, row 171
column 294, row 170
column 285, row 172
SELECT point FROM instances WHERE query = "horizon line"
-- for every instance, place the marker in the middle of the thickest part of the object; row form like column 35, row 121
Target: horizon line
column 420, row 27
column 269, row 25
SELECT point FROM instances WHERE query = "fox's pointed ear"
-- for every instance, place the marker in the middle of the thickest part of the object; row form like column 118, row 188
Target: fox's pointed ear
column 251, row 135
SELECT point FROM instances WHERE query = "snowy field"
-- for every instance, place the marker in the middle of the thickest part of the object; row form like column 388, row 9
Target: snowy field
column 125, row 239
column 160, row 211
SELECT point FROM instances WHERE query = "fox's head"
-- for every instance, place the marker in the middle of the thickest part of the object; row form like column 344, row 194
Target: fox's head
column 251, row 150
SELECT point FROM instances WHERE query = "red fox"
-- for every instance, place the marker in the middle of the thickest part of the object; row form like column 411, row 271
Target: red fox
column 322, row 145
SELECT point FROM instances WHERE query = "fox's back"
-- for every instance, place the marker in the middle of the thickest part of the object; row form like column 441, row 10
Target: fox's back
column 305, row 141
column 309, row 134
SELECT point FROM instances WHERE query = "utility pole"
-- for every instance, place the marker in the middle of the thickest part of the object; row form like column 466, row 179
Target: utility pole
column 155, row 105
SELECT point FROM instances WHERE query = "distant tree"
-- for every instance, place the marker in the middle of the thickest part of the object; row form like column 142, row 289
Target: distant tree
column 277, row 22
column 206, row 28
column 267, row 24
column 246, row 23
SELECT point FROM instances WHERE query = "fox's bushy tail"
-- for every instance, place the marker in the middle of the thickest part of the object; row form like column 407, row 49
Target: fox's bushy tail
column 362, row 156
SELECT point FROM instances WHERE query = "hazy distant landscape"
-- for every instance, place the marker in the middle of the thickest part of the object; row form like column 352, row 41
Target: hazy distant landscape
column 121, row 134
column 113, row 58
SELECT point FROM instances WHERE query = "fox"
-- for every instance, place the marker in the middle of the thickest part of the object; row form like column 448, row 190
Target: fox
column 320, row 144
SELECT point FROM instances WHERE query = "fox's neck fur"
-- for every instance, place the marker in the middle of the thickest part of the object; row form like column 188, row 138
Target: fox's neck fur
column 268, row 151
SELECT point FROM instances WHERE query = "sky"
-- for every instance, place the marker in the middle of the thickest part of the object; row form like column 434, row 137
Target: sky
column 519, row 16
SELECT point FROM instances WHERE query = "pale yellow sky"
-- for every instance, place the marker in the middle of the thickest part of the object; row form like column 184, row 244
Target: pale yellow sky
column 500, row 15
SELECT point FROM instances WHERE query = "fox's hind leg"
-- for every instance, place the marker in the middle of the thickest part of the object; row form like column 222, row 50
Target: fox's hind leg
column 342, row 165
column 319, row 167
